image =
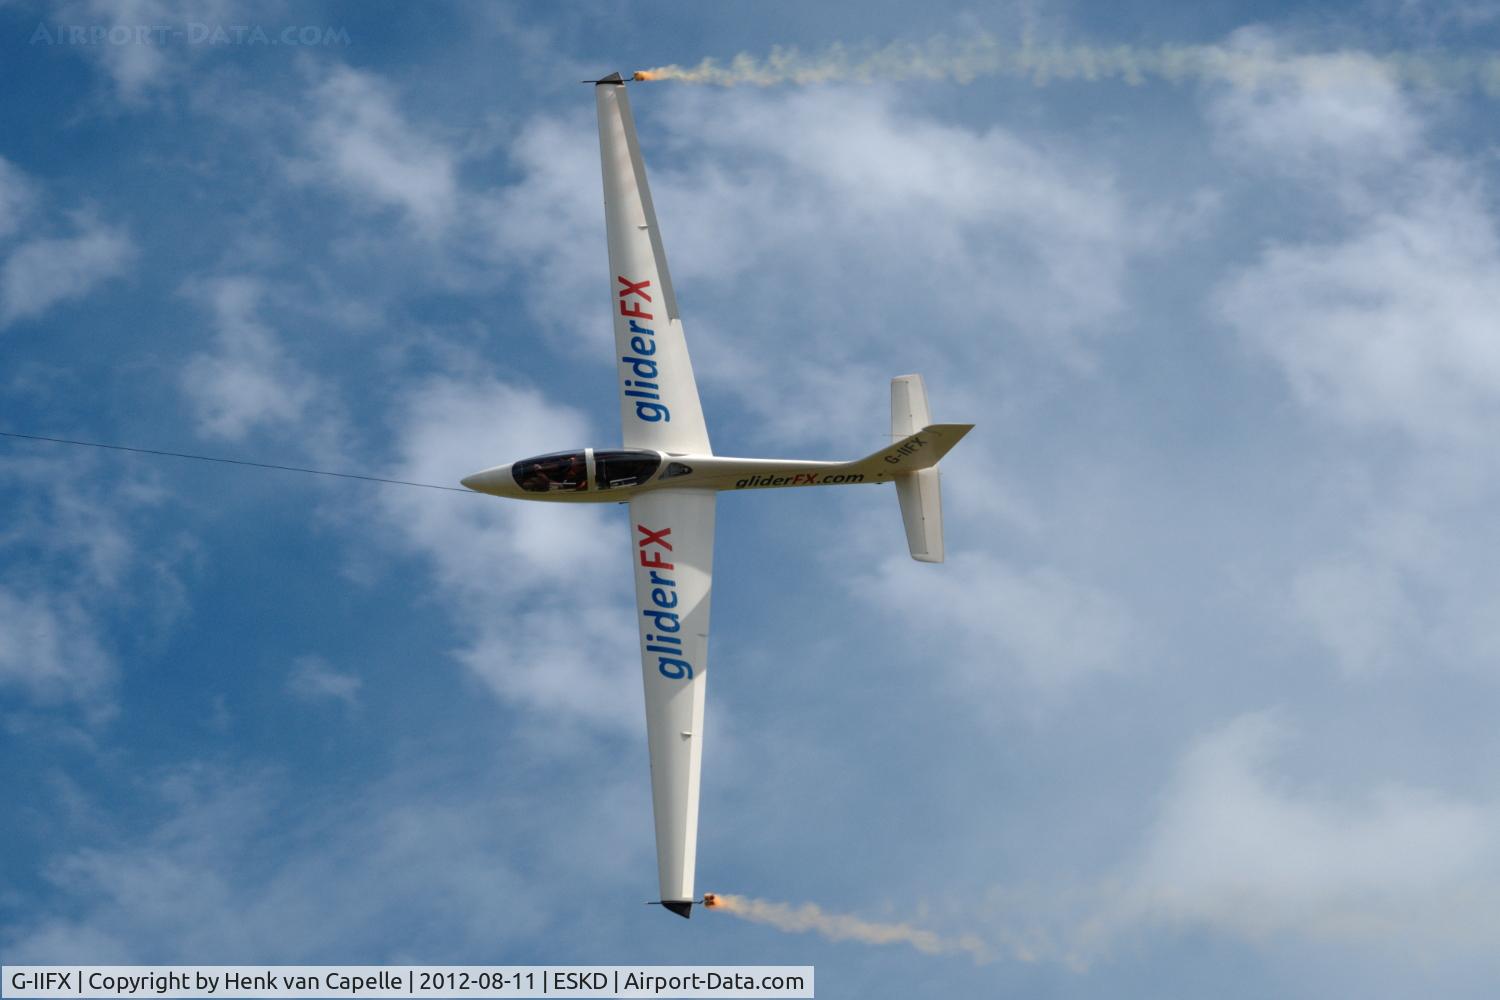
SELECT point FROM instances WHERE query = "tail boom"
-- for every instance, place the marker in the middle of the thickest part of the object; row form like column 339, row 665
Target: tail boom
column 913, row 453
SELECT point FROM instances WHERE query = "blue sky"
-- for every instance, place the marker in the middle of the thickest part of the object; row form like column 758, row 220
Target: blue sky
column 1201, row 703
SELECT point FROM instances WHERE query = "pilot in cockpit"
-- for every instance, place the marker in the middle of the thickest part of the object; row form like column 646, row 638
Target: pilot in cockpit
column 573, row 477
column 535, row 479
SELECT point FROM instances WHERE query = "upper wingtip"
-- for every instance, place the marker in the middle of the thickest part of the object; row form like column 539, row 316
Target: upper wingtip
column 612, row 78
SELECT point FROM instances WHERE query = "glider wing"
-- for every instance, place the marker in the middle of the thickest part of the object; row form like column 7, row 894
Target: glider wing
column 659, row 405
column 672, row 534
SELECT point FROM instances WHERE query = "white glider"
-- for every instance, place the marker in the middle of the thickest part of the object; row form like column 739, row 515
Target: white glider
column 669, row 475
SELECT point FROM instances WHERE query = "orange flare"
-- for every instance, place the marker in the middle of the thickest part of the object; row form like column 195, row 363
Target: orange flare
column 645, row 75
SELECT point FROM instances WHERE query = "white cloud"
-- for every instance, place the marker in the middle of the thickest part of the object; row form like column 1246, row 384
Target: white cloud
column 928, row 221
column 988, row 620
column 532, row 586
column 78, row 525
column 69, row 563
column 360, row 143
column 39, row 270
column 49, row 648
column 1236, row 848
column 1393, row 326
column 1359, row 611
column 1241, row 849
column 1389, row 323
column 17, row 196
column 233, row 861
column 139, row 61
column 40, row 273
column 184, row 886
column 1382, row 325
column 248, row 381
column 799, row 259
column 135, row 64
column 1431, row 21
column 551, row 223
column 1338, row 114
column 313, row 679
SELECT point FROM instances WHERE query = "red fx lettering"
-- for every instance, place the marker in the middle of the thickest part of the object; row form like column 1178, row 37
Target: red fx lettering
column 638, row 288
column 659, row 537
column 655, row 560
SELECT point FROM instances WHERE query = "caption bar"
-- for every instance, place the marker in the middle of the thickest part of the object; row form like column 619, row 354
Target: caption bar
column 126, row 982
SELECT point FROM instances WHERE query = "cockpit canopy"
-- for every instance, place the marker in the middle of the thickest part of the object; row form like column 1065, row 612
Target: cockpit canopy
column 617, row 469
column 579, row 471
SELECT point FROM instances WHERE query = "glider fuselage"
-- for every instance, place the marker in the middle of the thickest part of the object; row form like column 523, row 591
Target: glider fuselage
column 617, row 475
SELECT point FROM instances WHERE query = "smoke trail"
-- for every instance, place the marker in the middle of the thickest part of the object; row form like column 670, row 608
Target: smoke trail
column 808, row 918
column 963, row 60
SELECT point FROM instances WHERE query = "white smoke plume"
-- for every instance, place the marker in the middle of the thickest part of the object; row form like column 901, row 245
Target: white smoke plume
column 965, row 59
column 808, row 918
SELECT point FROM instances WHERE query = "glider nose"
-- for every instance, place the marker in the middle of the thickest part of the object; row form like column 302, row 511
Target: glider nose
column 493, row 481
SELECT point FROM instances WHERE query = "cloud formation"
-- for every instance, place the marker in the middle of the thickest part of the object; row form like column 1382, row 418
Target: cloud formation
column 1381, row 327
column 228, row 863
column 358, row 141
column 70, row 563
column 39, row 273
column 990, row 620
column 1236, row 848
column 139, row 65
column 1242, row 845
column 17, row 197
column 313, row 679
column 524, row 583
column 50, row 648
column 1386, row 325
column 247, row 381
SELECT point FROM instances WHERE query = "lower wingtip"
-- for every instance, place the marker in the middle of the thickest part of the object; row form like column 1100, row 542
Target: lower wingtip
column 683, row 908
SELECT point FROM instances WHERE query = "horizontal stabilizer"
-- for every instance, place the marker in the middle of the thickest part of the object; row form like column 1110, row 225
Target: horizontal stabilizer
column 921, row 450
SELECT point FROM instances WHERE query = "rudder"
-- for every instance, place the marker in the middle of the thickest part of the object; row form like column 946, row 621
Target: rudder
column 920, row 492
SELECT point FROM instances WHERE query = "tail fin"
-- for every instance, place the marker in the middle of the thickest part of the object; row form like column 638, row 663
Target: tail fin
column 911, row 461
column 919, row 490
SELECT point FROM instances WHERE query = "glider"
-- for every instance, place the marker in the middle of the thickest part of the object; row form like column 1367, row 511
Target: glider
column 670, row 477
